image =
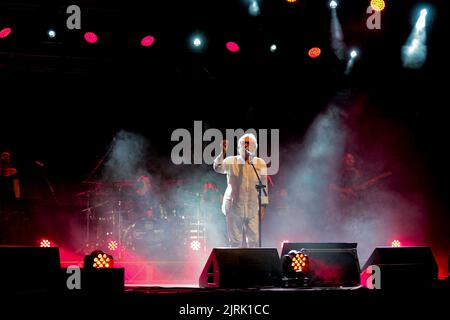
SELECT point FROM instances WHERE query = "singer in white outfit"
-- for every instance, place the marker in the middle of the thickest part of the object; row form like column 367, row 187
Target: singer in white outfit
column 240, row 201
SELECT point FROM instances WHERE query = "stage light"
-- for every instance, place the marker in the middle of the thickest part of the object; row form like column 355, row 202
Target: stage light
column 273, row 48
column 113, row 245
column 291, row 1
column 5, row 32
column 51, row 33
column 351, row 61
column 196, row 245
column 253, row 8
column 314, row 52
column 414, row 52
column 296, row 266
column 232, row 46
column 396, row 244
column 98, row 260
column 197, row 42
column 377, row 5
column 90, row 37
column 421, row 22
column 333, row 4
column 45, row 243
column 147, row 41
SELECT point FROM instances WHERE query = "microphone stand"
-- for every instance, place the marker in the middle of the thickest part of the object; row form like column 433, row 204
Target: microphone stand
column 52, row 190
column 43, row 172
column 102, row 159
column 259, row 187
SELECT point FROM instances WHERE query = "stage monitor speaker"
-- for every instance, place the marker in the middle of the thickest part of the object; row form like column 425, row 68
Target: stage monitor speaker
column 29, row 269
column 241, row 268
column 104, row 281
column 402, row 267
column 330, row 264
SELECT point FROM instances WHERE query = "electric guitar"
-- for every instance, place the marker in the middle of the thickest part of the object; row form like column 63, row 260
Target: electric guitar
column 353, row 191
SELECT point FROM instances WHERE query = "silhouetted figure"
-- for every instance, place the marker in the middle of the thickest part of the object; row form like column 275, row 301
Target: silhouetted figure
column 9, row 199
column 9, row 179
column 351, row 196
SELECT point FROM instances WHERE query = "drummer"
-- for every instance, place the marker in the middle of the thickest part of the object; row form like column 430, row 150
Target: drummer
column 145, row 199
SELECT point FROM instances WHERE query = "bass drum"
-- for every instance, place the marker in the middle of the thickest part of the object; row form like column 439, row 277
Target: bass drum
column 145, row 237
column 155, row 239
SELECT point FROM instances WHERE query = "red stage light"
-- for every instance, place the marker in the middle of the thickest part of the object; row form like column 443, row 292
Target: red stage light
column 147, row 41
column 90, row 37
column 232, row 46
column 5, row 32
column 314, row 52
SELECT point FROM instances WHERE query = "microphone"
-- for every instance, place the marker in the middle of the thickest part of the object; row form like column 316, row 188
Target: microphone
column 250, row 154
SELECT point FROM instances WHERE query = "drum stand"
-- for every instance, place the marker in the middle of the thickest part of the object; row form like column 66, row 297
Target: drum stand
column 117, row 218
column 89, row 242
column 200, row 223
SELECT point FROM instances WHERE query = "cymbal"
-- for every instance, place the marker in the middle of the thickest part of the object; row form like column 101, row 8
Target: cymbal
column 84, row 193
column 92, row 192
column 123, row 183
column 94, row 182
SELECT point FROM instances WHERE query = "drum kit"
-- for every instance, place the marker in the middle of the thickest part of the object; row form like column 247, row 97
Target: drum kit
column 148, row 226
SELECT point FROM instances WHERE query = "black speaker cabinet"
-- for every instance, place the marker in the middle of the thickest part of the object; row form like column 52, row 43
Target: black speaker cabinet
column 330, row 264
column 241, row 268
column 403, row 267
column 29, row 269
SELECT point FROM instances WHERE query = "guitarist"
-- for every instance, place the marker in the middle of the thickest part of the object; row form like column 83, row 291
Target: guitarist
column 352, row 183
column 350, row 176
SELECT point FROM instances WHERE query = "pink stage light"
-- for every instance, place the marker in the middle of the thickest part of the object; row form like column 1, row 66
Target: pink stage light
column 232, row 46
column 147, row 41
column 5, row 32
column 90, row 37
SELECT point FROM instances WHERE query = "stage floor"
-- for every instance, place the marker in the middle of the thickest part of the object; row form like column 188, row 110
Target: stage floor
column 191, row 302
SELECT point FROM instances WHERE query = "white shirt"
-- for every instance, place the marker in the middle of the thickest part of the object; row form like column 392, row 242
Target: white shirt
column 241, row 193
